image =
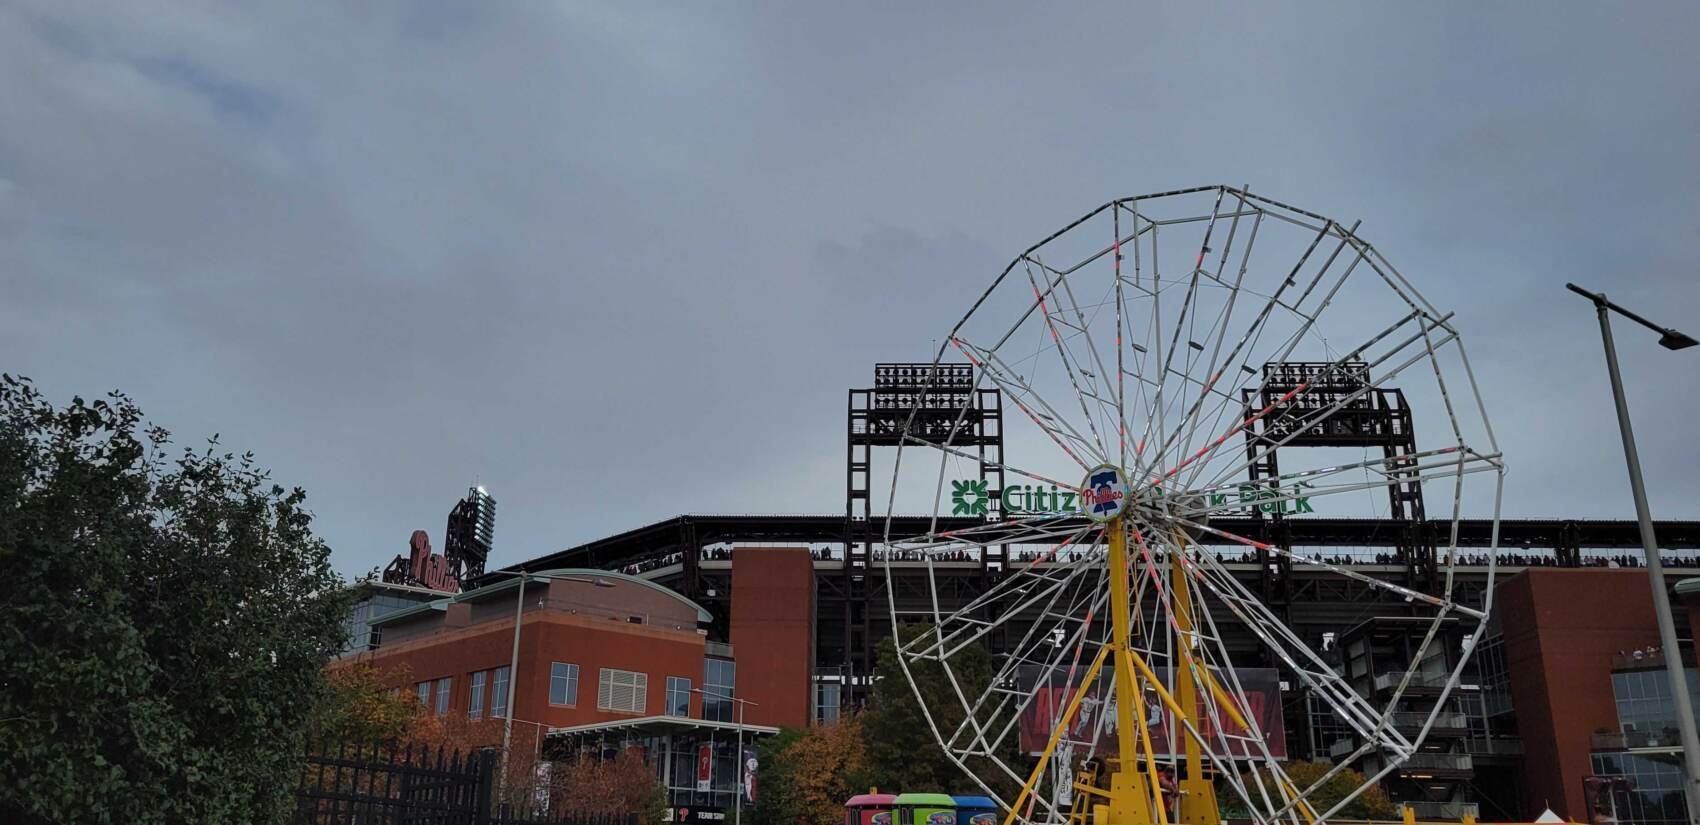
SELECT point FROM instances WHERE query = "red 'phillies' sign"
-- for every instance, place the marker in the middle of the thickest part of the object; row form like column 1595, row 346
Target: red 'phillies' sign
column 705, row 766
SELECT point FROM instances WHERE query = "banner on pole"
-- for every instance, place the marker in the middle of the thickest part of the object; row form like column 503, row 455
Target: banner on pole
column 705, row 766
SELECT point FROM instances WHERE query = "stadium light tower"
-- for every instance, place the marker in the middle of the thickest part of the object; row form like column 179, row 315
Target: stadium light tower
column 1670, row 339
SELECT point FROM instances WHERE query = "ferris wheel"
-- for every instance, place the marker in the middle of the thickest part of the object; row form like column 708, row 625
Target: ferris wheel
column 1183, row 374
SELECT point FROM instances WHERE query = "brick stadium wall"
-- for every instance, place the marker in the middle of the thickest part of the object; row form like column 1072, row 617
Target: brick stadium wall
column 1562, row 628
column 772, row 632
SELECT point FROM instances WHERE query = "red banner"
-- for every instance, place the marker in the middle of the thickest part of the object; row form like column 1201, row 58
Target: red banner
column 705, row 766
column 1051, row 696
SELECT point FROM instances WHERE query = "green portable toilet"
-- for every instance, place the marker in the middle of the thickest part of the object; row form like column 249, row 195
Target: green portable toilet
column 924, row 809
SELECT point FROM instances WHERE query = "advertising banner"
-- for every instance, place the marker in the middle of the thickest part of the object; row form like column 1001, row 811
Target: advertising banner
column 705, row 766
column 1051, row 695
column 749, row 784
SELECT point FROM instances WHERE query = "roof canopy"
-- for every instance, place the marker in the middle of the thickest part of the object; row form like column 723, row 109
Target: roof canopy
column 541, row 577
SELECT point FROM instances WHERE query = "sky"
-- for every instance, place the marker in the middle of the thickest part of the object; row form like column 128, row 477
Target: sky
column 618, row 262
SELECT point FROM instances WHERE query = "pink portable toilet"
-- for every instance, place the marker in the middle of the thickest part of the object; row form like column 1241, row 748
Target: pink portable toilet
column 869, row 809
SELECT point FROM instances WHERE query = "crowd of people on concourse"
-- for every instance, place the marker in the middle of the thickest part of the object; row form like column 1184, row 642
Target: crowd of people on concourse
column 1362, row 556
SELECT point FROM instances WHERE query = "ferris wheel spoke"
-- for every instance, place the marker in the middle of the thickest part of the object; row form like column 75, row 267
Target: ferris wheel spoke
column 1039, row 412
column 1304, row 662
column 1033, row 530
column 1300, row 487
column 1296, row 558
column 1063, row 354
column 1213, row 368
column 1317, row 418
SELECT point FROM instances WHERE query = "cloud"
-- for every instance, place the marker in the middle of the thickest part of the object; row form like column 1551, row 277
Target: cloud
column 571, row 251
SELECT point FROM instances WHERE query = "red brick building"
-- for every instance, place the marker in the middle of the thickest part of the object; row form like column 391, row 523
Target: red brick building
column 608, row 658
column 1586, row 680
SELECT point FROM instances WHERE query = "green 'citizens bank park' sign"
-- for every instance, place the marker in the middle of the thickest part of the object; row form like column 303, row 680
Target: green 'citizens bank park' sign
column 969, row 497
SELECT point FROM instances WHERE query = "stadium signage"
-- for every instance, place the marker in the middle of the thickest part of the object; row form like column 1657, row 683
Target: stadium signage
column 1251, row 498
column 970, row 497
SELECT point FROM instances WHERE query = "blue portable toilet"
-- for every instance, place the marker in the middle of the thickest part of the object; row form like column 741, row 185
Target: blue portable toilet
column 976, row 810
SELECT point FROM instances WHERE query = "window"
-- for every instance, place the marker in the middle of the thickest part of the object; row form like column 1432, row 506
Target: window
column 678, row 696
column 499, row 692
column 444, row 688
column 423, row 689
column 826, row 702
column 622, row 690
column 718, row 686
column 475, row 707
column 563, row 683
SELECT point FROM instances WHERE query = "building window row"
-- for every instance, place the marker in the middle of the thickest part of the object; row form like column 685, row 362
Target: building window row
column 623, row 691
column 496, row 680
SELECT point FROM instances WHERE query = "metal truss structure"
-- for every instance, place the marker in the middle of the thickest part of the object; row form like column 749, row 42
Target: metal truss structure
column 935, row 401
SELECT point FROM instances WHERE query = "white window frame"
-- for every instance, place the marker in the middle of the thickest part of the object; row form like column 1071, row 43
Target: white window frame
column 678, row 687
column 445, row 689
column 571, row 680
column 475, row 704
column 622, row 691
column 499, row 692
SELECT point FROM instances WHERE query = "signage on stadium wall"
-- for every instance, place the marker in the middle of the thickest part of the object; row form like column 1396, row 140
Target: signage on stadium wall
column 691, row 813
column 1262, row 688
column 970, row 497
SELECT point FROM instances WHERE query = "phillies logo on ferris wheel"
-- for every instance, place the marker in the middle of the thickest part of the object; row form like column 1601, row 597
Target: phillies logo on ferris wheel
column 1105, row 493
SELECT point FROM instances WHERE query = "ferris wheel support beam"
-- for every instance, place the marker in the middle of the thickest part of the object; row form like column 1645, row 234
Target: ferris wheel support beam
column 1133, row 799
column 1197, row 793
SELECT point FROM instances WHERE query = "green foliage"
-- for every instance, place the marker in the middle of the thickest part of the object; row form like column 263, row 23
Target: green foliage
column 806, row 774
column 166, row 622
column 777, row 793
column 903, row 754
column 357, row 704
column 1373, row 803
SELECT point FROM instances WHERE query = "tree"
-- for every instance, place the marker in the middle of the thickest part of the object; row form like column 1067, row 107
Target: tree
column 902, row 751
column 356, row 704
column 166, row 622
column 621, row 785
column 1373, row 803
column 806, row 774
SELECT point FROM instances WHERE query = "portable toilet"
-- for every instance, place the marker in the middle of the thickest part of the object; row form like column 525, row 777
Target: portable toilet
column 924, row 809
column 869, row 809
column 976, row 810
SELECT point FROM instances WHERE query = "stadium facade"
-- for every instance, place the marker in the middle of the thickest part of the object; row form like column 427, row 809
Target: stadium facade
column 1553, row 711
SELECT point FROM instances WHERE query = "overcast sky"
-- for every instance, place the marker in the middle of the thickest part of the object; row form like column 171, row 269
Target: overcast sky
column 618, row 262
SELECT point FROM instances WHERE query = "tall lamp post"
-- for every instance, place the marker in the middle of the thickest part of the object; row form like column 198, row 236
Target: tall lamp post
column 737, row 793
column 1673, row 340
column 513, row 677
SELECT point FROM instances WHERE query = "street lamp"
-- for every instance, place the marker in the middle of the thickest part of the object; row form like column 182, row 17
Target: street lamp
column 738, row 792
column 1673, row 340
column 513, row 672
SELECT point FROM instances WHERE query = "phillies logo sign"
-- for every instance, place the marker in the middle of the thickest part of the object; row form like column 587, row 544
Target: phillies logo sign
column 1105, row 493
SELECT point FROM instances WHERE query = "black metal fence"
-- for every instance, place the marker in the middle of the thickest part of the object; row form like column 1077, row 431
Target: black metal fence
column 409, row 785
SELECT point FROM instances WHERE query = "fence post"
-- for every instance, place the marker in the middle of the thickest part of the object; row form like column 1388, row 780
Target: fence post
column 486, row 797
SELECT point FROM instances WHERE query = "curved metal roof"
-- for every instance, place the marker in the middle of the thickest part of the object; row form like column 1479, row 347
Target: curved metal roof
column 538, row 577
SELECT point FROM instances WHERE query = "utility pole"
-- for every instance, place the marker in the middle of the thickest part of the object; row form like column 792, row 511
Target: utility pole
column 513, row 681
column 1673, row 340
column 738, row 790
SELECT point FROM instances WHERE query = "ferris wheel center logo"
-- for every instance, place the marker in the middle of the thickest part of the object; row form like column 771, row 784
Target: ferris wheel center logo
column 1105, row 493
